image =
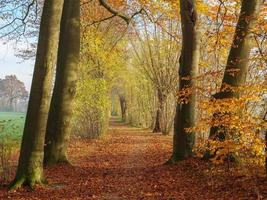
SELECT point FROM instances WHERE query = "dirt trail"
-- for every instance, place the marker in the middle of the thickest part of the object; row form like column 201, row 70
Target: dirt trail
column 128, row 164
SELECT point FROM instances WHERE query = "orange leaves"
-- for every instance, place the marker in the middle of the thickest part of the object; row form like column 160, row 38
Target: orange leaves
column 128, row 164
column 239, row 120
column 184, row 95
column 167, row 8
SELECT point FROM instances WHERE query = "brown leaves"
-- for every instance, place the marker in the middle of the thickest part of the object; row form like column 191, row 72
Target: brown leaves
column 128, row 164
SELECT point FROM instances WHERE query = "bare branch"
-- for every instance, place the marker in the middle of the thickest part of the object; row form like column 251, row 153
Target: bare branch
column 117, row 13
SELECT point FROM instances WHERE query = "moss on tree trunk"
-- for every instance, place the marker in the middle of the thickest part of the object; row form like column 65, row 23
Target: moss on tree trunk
column 30, row 166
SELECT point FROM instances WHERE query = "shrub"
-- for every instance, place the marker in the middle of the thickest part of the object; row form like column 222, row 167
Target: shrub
column 92, row 107
column 8, row 148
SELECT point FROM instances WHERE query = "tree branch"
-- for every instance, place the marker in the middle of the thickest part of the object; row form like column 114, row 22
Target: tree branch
column 115, row 12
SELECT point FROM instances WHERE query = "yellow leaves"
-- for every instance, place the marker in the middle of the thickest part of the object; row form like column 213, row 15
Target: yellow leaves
column 168, row 8
column 202, row 7
column 238, row 118
column 245, row 149
column 102, row 55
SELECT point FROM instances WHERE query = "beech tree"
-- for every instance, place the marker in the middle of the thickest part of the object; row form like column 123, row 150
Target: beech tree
column 238, row 60
column 60, row 114
column 30, row 166
column 183, row 141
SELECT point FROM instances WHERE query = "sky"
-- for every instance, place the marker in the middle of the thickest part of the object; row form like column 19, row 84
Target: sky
column 11, row 65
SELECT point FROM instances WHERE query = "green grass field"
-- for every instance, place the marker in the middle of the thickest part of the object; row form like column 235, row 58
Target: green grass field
column 11, row 124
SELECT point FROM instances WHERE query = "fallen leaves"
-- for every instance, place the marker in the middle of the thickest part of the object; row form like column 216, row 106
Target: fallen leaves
column 128, row 164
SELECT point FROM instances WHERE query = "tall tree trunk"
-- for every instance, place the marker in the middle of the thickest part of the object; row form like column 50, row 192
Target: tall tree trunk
column 238, row 59
column 123, row 105
column 183, row 141
column 60, row 114
column 30, row 166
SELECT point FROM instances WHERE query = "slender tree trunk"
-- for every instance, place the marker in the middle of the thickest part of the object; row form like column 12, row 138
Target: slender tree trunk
column 60, row 114
column 30, row 166
column 11, row 104
column 238, row 59
column 159, row 114
column 183, row 141
column 157, row 127
column 14, row 105
column 265, row 119
column 266, row 153
column 123, row 105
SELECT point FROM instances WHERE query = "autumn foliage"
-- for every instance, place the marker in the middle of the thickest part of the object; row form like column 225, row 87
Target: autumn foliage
column 160, row 83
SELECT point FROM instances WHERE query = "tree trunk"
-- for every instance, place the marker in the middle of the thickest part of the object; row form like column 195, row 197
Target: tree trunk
column 158, row 120
column 123, row 107
column 266, row 153
column 238, row 59
column 265, row 119
column 157, row 127
column 30, row 166
column 183, row 141
column 11, row 105
column 60, row 114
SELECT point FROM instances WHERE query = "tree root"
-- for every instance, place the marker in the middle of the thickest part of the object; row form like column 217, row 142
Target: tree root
column 52, row 162
column 172, row 161
column 30, row 181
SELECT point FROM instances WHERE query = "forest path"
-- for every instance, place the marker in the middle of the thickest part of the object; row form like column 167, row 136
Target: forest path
column 128, row 164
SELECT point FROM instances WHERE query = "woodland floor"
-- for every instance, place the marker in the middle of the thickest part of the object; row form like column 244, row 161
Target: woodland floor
column 128, row 164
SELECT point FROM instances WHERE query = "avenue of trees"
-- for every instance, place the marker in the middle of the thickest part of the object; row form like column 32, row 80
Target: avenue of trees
column 196, row 69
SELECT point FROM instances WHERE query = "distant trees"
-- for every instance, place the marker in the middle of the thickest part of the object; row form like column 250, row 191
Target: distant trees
column 12, row 93
column 123, row 104
column 157, row 55
column 141, row 99
column 102, row 64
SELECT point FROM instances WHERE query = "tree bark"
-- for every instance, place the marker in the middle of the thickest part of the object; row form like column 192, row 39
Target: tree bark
column 60, row 114
column 265, row 119
column 157, row 127
column 238, row 59
column 183, row 141
column 158, row 120
column 30, row 166
column 266, row 153
column 123, row 105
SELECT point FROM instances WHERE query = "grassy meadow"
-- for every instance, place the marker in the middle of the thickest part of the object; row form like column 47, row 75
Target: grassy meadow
column 11, row 124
